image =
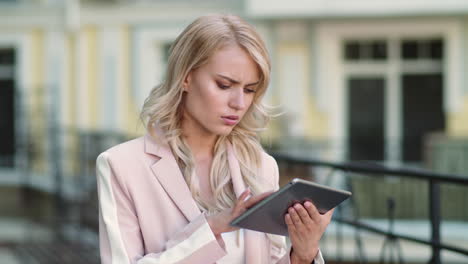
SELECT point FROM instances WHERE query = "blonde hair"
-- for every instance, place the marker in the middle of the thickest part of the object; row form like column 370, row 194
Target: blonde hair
column 163, row 107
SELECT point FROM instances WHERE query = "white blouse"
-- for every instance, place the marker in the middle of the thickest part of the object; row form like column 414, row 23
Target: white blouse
column 234, row 242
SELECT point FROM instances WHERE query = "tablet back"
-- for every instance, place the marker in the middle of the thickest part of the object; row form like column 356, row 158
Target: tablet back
column 268, row 215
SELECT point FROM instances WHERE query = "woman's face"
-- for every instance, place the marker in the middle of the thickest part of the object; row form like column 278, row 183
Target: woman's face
column 219, row 93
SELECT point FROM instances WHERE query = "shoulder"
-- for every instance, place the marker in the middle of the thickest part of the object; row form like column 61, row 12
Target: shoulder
column 267, row 160
column 126, row 163
column 128, row 147
column 125, row 151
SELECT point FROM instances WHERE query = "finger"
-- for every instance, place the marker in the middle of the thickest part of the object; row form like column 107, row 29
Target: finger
column 303, row 214
column 312, row 210
column 295, row 217
column 239, row 206
column 328, row 215
column 255, row 199
column 244, row 195
column 289, row 222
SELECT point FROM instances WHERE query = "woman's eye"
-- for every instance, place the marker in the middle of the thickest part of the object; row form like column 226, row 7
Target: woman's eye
column 223, row 86
column 247, row 90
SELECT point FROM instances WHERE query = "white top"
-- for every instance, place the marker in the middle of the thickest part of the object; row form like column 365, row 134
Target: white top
column 234, row 242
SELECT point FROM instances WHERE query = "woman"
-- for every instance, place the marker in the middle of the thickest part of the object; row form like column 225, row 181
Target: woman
column 168, row 197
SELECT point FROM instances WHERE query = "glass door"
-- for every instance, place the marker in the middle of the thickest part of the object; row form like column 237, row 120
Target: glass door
column 366, row 104
column 422, row 112
column 7, row 108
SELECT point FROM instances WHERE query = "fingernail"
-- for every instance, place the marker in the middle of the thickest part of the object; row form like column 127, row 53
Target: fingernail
column 307, row 204
column 297, row 206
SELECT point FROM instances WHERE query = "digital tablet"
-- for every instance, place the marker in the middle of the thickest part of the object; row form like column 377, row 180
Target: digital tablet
column 268, row 215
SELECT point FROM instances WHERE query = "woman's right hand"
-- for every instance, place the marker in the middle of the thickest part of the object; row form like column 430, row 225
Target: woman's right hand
column 219, row 222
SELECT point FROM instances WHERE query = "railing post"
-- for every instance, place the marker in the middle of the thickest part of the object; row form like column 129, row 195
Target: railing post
column 434, row 211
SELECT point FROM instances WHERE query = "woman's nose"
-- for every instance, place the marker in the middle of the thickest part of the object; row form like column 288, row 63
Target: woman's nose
column 237, row 100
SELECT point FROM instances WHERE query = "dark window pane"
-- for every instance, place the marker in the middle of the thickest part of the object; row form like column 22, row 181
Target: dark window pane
column 379, row 50
column 366, row 118
column 7, row 123
column 352, row 50
column 422, row 112
column 436, row 49
column 7, row 56
column 409, row 49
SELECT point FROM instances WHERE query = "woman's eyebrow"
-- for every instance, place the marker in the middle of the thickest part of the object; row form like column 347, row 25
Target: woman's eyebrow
column 237, row 82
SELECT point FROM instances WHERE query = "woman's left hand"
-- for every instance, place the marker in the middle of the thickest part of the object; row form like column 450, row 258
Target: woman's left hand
column 305, row 226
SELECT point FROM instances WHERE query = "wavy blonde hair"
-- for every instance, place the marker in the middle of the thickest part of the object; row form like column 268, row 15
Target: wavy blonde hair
column 164, row 108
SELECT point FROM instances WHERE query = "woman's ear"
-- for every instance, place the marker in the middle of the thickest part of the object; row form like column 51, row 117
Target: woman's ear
column 186, row 83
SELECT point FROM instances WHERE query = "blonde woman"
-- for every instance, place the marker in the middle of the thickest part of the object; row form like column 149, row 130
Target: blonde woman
column 168, row 197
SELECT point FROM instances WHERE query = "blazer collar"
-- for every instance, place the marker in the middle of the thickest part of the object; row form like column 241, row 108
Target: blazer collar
column 162, row 150
column 156, row 147
column 168, row 173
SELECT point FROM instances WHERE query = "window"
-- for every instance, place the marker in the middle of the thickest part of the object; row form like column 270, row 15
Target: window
column 431, row 49
column 7, row 56
column 392, row 110
column 372, row 50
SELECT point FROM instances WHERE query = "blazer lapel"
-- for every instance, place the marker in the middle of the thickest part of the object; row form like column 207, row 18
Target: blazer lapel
column 254, row 241
column 236, row 177
column 168, row 173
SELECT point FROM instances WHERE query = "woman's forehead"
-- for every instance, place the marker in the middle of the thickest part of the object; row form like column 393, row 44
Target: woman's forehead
column 234, row 62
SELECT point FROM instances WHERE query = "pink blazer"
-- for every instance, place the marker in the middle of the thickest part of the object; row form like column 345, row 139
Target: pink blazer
column 148, row 216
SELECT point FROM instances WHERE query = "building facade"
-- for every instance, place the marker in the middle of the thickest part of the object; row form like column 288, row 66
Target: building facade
column 355, row 80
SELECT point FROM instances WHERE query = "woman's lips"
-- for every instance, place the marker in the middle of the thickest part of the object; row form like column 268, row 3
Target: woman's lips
column 230, row 120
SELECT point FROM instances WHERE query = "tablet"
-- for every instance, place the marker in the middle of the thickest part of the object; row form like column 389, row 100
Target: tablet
column 268, row 215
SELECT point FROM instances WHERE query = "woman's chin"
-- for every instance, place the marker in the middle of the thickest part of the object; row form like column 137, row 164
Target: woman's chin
column 224, row 131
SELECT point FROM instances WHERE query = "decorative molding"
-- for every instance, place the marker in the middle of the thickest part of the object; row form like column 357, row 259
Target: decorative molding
column 155, row 12
column 355, row 8
column 292, row 31
column 31, row 15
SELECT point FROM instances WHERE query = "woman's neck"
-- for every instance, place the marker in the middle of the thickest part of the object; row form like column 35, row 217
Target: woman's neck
column 201, row 148
column 201, row 144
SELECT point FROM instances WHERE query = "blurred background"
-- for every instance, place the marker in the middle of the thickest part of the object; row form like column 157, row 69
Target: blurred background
column 374, row 96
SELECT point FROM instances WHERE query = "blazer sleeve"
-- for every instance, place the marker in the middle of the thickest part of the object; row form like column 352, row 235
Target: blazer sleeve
column 120, row 237
column 278, row 254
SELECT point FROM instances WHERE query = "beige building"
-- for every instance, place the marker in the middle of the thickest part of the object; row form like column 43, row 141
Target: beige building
column 355, row 79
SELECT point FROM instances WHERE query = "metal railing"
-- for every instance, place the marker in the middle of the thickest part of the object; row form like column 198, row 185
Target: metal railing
column 376, row 170
column 71, row 159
